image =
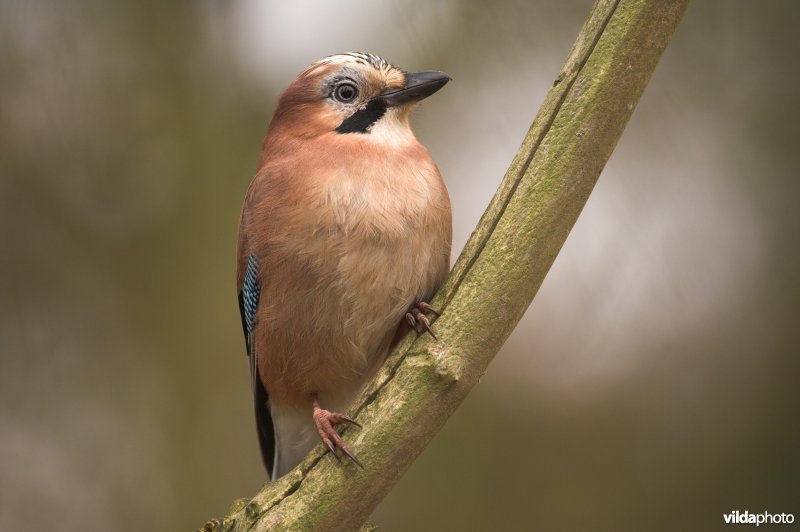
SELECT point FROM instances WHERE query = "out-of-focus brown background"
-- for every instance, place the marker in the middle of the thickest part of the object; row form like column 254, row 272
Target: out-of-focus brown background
column 652, row 385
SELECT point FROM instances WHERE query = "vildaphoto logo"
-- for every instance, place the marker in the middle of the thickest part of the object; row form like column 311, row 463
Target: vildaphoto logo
column 765, row 518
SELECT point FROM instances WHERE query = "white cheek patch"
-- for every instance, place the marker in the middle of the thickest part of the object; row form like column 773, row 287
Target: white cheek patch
column 392, row 129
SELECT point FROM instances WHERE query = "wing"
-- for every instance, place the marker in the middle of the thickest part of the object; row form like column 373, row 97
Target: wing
column 249, row 295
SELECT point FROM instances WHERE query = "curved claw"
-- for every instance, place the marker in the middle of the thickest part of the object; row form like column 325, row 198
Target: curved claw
column 415, row 317
column 348, row 419
column 427, row 325
column 424, row 307
column 332, row 449
column 325, row 422
column 347, row 451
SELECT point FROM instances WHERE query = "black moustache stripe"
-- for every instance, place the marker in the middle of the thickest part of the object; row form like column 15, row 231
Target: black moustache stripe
column 362, row 120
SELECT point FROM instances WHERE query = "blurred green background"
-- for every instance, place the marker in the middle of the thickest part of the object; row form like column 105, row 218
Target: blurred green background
column 652, row 385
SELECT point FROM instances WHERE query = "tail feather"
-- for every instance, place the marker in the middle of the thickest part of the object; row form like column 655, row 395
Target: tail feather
column 295, row 436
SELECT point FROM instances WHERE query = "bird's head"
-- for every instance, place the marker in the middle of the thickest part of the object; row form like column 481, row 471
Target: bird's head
column 353, row 94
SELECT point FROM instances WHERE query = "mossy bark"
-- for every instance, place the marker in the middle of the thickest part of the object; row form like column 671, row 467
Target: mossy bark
column 493, row 282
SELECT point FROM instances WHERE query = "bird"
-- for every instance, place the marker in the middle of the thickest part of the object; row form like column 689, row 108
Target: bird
column 344, row 237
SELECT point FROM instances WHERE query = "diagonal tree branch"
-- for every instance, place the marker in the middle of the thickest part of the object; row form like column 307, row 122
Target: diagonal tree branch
column 502, row 266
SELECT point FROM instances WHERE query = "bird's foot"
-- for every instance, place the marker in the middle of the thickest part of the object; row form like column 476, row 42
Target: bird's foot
column 325, row 422
column 416, row 318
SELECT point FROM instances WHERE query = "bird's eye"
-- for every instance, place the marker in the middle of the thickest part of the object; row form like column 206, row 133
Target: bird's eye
column 345, row 92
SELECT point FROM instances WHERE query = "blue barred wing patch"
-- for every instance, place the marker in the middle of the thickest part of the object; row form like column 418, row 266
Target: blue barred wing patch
column 250, row 293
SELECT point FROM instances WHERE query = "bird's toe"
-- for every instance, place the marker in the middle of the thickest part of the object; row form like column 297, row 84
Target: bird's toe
column 325, row 422
column 418, row 320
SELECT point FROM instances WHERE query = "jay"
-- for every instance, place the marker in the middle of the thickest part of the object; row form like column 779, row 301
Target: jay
column 344, row 235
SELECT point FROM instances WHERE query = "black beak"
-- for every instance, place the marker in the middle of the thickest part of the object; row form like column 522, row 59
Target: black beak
column 418, row 85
